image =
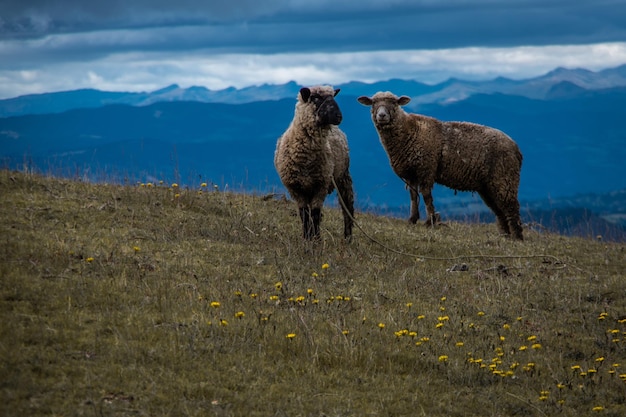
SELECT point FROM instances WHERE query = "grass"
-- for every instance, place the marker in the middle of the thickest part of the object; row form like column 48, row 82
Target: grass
column 155, row 300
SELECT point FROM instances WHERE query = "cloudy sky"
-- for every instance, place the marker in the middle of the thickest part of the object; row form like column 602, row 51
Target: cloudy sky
column 126, row 45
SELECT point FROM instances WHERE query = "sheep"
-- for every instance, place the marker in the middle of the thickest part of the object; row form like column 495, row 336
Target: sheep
column 460, row 155
column 311, row 157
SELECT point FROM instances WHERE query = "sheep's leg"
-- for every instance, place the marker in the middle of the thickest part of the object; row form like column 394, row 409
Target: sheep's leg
column 431, row 216
column 501, row 220
column 415, row 203
column 308, row 226
column 305, row 217
column 515, row 226
column 514, row 220
column 316, row 218
column 346, row 194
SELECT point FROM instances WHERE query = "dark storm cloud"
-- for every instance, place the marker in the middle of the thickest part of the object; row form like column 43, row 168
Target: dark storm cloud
column 36, row 18
column 302, row 25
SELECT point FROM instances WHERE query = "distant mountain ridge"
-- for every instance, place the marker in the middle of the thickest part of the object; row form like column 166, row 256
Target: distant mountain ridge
column 542, row 87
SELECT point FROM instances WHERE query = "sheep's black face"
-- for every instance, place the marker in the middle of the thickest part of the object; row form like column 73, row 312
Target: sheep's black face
column 326, row 108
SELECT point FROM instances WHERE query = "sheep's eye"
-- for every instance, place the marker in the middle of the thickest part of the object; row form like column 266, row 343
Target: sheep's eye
column 316, row 99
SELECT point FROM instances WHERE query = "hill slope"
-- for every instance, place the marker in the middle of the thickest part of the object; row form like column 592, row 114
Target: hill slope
column 163, row 300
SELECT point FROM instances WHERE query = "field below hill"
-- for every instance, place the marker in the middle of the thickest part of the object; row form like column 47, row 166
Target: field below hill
column 156, row 299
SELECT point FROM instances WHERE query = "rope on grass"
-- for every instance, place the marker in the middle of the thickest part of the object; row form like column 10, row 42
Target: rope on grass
column 433, row 258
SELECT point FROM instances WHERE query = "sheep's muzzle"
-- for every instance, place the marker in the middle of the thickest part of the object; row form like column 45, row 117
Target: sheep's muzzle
column 328, row 112
column 381, row 115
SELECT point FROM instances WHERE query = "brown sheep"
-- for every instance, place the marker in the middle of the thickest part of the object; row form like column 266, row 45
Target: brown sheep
column 310, row 154
column 459, row 155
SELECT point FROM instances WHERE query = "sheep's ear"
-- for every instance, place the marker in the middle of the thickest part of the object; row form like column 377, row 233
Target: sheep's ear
column 404, row 100
column 365, row 100
column 337, row 91
column 305, row 93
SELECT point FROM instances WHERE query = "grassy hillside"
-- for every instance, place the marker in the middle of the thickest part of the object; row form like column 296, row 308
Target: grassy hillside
column 151, row 300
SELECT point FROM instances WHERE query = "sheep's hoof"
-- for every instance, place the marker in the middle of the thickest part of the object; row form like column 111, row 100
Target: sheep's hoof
column 433, row 220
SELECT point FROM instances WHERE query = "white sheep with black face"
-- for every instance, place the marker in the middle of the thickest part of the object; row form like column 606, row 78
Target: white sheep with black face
column 311, row 153
column 460, row 155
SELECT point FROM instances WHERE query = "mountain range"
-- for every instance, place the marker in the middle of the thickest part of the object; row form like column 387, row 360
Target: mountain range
column 569, row 125
column 557, row 83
